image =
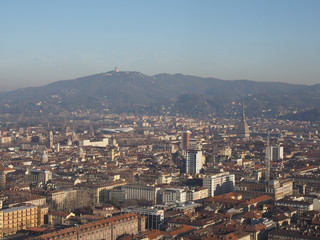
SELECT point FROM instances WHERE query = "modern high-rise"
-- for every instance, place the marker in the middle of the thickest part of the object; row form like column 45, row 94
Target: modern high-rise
column 194, row 160
column 243, row 128
column 219, row 183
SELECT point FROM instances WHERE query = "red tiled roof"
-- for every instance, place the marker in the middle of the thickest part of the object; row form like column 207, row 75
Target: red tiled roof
column 257, row 200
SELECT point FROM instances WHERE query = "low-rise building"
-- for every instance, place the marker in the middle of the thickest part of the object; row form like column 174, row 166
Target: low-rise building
column 109, row 228
column 142, row 192
column 174, row 195
column 282, row 234
column 197, row 194
column 301, row 206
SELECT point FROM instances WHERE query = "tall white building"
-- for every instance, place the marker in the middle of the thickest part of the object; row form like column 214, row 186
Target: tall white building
column 219, row 183
column 194, row 160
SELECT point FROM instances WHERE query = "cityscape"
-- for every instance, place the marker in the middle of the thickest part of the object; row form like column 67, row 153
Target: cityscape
column 112, row 176
column 159, row 120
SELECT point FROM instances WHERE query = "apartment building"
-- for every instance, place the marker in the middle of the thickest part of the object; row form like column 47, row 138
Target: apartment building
column 23, row 217
column 197, row 193
column 219, row 183
column 277, row 189
column 142, row 192
column 109, row 228
column 174, row 195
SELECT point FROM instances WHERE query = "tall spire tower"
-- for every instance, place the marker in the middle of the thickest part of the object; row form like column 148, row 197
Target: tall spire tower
column 243, row 128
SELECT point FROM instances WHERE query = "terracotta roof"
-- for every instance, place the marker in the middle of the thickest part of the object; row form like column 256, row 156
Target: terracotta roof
column 258, row 200
column 60, row 214
column 180, row 229
column 153, row 234
column 37, row 229
column 85, row 227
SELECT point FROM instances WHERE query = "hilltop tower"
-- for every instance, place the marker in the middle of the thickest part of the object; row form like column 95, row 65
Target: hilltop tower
column 243, row 128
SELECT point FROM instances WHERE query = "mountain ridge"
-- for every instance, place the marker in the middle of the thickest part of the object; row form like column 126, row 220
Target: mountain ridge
column 135, row 92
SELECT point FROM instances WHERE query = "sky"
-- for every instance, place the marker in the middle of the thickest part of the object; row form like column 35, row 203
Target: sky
column 43, row 41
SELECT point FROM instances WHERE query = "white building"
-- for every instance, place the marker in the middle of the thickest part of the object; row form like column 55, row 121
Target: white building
column 141, row 192
column 301, row 206
column 219, row 183
column 197, row 193
column 174, row 195
column 85, row 142
column 193, row 160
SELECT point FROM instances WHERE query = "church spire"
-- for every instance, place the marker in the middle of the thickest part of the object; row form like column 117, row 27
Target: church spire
column 243, row 128
column 243, row 114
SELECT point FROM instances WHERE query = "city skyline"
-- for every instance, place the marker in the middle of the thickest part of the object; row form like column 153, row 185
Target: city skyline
column 42, row 42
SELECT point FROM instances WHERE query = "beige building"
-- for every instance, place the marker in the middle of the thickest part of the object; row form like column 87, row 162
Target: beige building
column 277, row 189
column 99, row 193
column 3, row 176
column 109, row 228
column 36, row 200
column 196, row 194
column 23, row 217
column 37, row 176
column 62, row 199
column 57, row 218
column 5, row 139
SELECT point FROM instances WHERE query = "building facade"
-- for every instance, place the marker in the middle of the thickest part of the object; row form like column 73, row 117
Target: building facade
column 219, row 183
column 174, row 195
column 142, row 192
column 18, row 218
column 185, row 139
column 109, row 228
column 154, row 217
column 193, row 160
column 275, row 189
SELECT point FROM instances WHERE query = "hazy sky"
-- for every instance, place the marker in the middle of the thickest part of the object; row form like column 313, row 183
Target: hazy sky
column 272, row 40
